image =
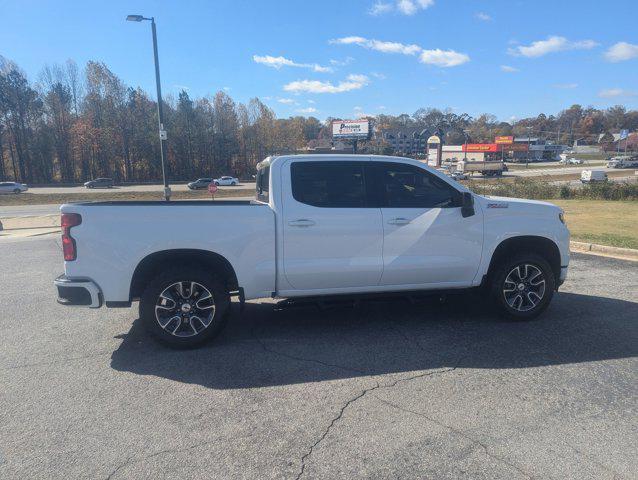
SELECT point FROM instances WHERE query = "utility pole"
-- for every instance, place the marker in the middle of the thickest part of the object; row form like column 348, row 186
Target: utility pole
column 160, row 112
column 528, row 143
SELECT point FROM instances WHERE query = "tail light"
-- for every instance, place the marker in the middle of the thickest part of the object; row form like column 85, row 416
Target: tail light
column 67, row 221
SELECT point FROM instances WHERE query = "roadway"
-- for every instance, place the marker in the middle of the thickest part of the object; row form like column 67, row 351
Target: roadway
column 180, row 187
column 385, row 390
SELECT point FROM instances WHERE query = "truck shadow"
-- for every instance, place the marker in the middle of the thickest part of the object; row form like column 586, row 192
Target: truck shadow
column 264, row 348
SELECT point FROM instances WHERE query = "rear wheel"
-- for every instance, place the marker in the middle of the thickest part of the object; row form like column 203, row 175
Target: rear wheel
column 523, row 286
column 184, row 307
column 16, row 190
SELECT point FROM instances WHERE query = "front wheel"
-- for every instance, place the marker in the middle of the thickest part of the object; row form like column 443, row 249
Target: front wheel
column 184, row 307
column 523, row 286
column 16, row 190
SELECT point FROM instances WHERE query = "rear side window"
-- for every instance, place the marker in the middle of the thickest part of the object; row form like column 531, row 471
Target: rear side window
column 262, row 183
column 406, row 186
column 329, row 184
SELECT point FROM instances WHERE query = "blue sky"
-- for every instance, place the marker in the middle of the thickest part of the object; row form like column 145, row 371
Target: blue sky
column 350, row 57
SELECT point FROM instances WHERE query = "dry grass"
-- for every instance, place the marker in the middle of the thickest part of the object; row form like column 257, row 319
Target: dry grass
column 602, row 222
column 58, row 198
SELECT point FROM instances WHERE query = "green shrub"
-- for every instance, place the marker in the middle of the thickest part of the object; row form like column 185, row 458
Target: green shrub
column 542, row 190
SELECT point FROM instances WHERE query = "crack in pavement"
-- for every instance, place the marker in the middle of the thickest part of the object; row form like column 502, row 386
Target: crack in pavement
column 354, row 399
column 156, row 454
column 460, row 433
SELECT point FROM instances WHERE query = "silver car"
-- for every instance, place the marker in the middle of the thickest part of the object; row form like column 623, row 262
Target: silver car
column 13, row 187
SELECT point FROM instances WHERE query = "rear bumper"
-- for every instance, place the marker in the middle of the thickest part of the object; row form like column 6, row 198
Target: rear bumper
column 78, row 292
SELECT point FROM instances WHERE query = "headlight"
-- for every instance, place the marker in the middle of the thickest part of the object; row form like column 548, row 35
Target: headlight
column 561, row 217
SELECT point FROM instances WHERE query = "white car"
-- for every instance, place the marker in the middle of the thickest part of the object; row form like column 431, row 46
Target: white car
column 321, row 225
column 226, row 181
column 13, row 187
column 593, row 176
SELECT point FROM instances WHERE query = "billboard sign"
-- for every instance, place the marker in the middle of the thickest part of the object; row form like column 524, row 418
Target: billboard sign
column 480, row 147
column 504, row 140
column 353, row 129
column 624, row 134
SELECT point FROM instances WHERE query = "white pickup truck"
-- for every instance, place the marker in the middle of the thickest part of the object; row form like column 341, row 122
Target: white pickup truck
column 320, row 225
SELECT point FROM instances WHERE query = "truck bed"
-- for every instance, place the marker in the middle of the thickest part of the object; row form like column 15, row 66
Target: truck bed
column 115, row 236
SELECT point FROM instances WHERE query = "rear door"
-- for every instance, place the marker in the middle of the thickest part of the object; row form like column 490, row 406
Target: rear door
column 426, row 240
column 332, row 238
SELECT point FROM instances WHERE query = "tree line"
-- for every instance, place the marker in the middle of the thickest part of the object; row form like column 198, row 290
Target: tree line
column 75, row 124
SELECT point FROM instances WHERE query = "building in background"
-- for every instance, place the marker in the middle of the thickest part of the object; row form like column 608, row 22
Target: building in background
column 412, row 142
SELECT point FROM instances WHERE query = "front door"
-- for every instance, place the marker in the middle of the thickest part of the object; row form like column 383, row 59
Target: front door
column 426, row 240
column 331, row 238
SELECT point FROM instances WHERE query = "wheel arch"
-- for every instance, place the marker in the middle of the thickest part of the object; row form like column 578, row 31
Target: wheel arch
column 153, row 263
column 543, row 246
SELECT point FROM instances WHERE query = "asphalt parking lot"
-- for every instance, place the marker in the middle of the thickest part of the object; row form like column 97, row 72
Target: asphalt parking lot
column 385, row 390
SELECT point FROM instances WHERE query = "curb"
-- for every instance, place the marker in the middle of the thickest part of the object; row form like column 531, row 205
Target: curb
column 595, row 249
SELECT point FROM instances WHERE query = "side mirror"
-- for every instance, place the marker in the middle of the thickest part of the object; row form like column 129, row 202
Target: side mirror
column 467, row 204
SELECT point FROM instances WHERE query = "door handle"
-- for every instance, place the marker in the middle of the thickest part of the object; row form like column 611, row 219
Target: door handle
column 399, row 221
column 302, row 222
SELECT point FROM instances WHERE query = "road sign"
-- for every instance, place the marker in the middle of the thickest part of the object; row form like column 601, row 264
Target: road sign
column 212, row 188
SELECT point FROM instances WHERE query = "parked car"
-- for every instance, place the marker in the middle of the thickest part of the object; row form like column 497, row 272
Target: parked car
column 199, row 183
column 623, row 161
column 571, row 161
column 593, row 176
column 458, row 176
column 100, row 183
column 224, row 181
column 13, row 187
column 321, row 225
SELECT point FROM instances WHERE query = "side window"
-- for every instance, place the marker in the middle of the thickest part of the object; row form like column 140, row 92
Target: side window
column 407, row 186
column 261, row 183
column 336, row 184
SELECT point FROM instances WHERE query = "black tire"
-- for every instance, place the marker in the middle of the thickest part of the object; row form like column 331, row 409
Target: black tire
column 523, row 309
column 185, row 338
column 16, row 190
column 233, row 183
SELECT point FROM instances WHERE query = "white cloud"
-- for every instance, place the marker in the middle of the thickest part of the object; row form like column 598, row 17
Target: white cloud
column 181, row 87
column 378, row 75
column 443, row 58
column 410, row 7
column 311, row 101
column 483, row 17
column 307, row 110
column 341, row 63
column 566, row 86
column 378, row 45
column 438, row 57
column 279, row 62
column 509, row 69
column 358, row 108
column 405, row 7
column 352, row 82
column 621, row 51
column 615, row 92
column 226, row 89
column 285, row 100
column 380, row 8
column 381, row 107
column 550, row 45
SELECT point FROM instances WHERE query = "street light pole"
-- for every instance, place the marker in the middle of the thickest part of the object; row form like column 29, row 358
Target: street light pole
column 160, row 111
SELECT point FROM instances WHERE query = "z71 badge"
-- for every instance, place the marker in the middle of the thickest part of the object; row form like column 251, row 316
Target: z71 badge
column 497, row 205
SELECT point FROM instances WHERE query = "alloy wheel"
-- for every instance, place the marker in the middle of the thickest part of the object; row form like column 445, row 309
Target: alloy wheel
column 524, row 287
column 185, row 309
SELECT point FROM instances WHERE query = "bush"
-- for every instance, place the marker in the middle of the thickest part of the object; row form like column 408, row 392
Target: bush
column 545, row 190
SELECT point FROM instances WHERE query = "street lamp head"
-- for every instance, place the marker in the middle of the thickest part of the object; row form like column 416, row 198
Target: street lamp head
column 135, row 18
